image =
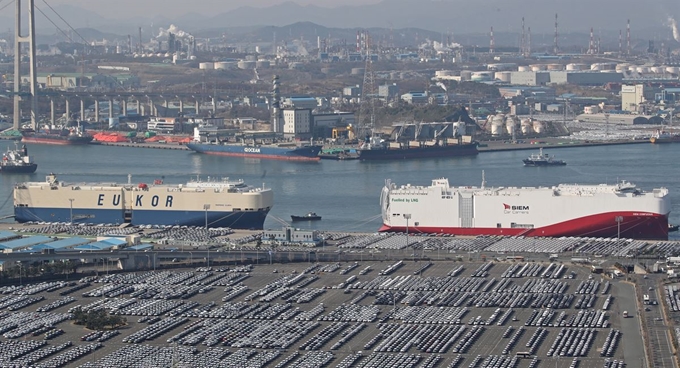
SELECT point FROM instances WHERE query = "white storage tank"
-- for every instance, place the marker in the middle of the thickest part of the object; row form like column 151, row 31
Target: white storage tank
column 510, row 123
column 673, row 69
column 459, row 127
column 539, row 127
column 658, row 69
column 481, row 76
column 497, row 124
column 643, row 69
column 538, row 67
column 503, row 76
column 206, row 65
column 225, row 65
column 444, row 73
column 246, row 64
column 526, row 126
column 523, row 68
column 555, row 67
column 577, row 67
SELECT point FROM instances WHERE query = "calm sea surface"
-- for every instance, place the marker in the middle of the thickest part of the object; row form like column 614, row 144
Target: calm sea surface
column 346, row 193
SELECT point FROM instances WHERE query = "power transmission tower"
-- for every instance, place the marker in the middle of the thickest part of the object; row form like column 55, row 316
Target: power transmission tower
column 366, row 118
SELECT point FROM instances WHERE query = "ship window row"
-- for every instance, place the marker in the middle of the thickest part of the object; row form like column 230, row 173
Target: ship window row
column 447, row 197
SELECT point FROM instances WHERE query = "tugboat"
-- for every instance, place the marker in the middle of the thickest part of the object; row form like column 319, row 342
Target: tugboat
column 542, row 160
column 17, row 161
column 311, row 216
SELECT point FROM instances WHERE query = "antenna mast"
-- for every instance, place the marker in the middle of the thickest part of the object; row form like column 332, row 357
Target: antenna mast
column 555, row 47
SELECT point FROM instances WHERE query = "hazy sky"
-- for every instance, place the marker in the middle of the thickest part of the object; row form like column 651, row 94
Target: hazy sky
column 121, row 8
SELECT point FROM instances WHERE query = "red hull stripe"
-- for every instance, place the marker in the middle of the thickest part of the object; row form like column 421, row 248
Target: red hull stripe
column 635, row 225
column 268, row 157
column 57, row 142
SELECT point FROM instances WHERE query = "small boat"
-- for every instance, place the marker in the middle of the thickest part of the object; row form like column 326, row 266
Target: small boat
column 542, row 160
column 311, row 216
column 673, row 228
column 17, row 161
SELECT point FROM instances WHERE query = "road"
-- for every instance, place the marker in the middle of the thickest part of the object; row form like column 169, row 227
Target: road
column 657, row 328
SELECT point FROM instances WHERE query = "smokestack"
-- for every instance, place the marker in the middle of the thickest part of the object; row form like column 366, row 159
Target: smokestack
column 591, row 45
column 555, row 48
column 492, row 44
column 529, row 41
column 358, row 41
column 522, row 42
column 276, row 104
column 628, row 37
column 620, row 42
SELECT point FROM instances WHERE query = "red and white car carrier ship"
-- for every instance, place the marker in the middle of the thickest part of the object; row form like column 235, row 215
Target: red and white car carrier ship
column 621, row 210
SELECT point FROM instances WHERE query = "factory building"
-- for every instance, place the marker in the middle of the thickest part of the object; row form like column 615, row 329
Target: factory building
column 300, row 102
column 415, row 97
column 352, row 91
column 297, row 123
column 388, row 91
column 632, row 97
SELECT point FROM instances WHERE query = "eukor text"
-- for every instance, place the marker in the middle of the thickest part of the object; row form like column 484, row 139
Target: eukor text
column 140, row 200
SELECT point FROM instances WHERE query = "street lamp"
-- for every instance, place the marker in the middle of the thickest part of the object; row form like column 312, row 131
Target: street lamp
column 407, row 216
column 71, row 200
column 206, row 207
column 618, row 220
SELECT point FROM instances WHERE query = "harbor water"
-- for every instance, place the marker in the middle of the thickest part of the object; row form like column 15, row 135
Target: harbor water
column 346, row 193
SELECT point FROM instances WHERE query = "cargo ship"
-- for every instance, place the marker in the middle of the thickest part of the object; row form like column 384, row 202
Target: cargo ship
column 621, row 210
column 63, row 136
column 291, row 152
column 225, row 203
column 420, row 140
column 662, row 136
column 17, row 161
column 253, row 145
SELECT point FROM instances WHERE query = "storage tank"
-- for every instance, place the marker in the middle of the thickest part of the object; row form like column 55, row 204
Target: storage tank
column 539, row 127
column 459, row 127
column 225, row 65
column 497, row 124
column 643, row 69
column 444, row 73
column 555, row 67
column 538, row 67
column 510, row 123
column 205, row 66
column 481, row 76
column 526, row 126
column 523, row 68
column 658, row 69
column 503, row 76
column 246, row 64
column 577, row 67
column 673, row 69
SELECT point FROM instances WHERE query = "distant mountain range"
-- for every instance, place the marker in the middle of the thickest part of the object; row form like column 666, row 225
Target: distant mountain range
column 447, row 17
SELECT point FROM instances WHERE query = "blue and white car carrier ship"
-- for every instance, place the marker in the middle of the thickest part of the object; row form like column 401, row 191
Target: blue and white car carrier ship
column 219, row 203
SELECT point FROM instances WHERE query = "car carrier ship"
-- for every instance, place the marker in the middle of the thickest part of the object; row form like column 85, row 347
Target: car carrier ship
column 621, row 210
column 225, row 203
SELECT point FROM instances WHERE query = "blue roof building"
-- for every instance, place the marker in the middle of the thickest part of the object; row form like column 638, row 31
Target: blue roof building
column 17, row 244
column 102, row 245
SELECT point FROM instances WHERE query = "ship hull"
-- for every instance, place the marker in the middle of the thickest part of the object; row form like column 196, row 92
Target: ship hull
column 57, row 140
column 543, row 163
column 418, row 152
column 620, row 210
column 632, row 226
column 19, row 169
column 236, row 220
column 307, row 153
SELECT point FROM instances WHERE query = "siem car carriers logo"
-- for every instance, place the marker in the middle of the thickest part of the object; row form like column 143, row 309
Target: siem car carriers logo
column 515, row 209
